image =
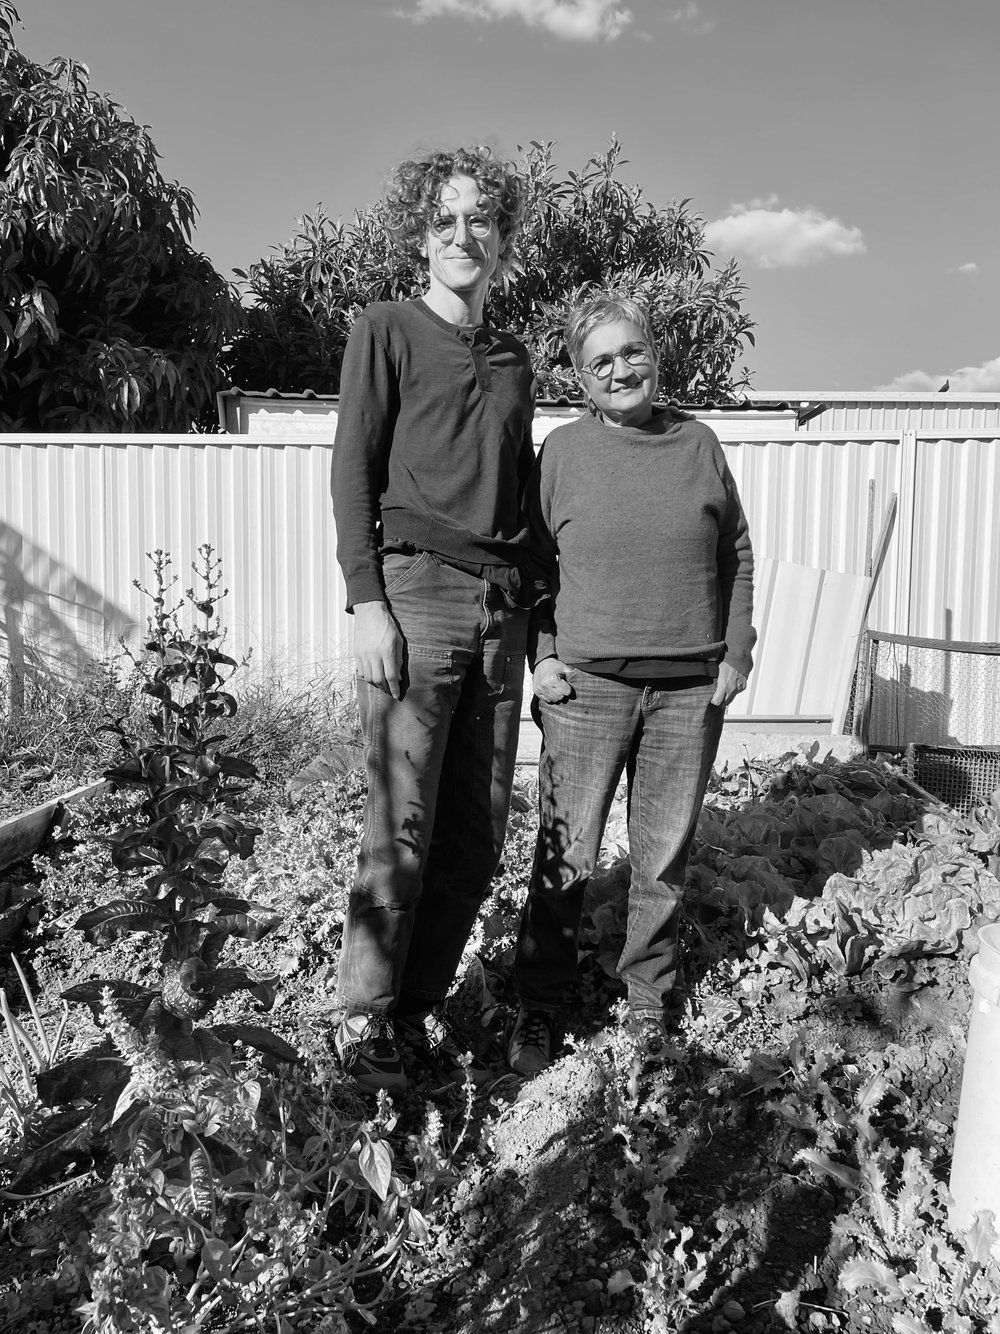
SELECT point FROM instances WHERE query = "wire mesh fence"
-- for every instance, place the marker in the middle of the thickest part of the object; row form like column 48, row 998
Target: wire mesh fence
column 939, row 702
column 963, row 776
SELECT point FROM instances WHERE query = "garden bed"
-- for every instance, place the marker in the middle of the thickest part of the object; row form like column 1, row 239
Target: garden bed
column 23, row 833
column 784, row 1169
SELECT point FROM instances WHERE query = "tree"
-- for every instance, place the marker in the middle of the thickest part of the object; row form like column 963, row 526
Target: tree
column 583, row 231
column 591, row 230
column 305, row 296
column 109, row 320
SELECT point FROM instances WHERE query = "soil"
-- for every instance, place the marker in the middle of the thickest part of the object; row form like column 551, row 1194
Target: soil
column 535, row 1232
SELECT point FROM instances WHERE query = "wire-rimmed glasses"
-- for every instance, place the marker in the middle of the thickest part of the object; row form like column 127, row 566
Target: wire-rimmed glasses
column 633, row 354
column 443, row 226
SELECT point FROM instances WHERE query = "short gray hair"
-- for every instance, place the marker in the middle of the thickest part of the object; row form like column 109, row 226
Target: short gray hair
column 604, row 308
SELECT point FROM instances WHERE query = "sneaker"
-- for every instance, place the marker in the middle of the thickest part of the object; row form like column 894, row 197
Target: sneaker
column 532, row 1042
column 429, row 1038
column 366, row 1050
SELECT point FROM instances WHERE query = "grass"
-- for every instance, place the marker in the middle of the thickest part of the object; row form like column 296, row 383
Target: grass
column 51, row 738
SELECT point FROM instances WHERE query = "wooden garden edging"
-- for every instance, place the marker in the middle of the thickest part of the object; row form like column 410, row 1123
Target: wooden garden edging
column 22, row 834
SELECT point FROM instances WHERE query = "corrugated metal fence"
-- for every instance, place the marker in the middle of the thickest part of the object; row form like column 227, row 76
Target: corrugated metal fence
column 78, row 514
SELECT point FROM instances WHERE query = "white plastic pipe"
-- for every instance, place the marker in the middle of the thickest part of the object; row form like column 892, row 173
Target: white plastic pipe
column 975, row 1164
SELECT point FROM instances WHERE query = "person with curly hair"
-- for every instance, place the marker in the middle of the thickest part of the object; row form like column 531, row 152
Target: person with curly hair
column 432, row 453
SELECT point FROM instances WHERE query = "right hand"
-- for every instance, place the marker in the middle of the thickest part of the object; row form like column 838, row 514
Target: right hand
column 549, row 681
column 378, row 647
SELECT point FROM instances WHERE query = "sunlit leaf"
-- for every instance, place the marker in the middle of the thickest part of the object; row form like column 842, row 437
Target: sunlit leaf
column 375, row 1161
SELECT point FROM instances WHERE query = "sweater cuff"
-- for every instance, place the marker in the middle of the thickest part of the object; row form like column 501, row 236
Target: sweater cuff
column 541, row 645
column 740, row 656
column 364, row 587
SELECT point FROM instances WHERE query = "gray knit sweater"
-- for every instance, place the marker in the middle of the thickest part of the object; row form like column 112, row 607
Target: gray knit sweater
column 647, row 544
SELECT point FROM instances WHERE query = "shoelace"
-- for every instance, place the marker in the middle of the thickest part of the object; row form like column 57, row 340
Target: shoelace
column 380, row 1034
column 536, row 1031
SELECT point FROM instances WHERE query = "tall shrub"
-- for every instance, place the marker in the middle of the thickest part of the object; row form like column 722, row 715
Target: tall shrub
column 590, row 229
column 109, row 320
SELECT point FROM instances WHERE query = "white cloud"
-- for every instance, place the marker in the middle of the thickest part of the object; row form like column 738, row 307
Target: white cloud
column 782, row 238
column 968, row 268
column 577, row 20
column 688, row 16
column 984, row 379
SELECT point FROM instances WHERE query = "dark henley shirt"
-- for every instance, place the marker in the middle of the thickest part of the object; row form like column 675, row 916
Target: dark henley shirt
column 433, row 445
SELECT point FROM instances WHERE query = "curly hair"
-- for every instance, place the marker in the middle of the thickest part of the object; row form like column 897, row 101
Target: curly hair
column 415, row 187
column 605, row 308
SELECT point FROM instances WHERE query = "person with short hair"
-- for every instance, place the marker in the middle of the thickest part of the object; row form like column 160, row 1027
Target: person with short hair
column 646, row 639
column 432, row 452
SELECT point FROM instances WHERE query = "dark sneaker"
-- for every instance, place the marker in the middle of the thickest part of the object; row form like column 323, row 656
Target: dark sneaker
column 366, row 1049
column 429, row 1038
column 532, row 1042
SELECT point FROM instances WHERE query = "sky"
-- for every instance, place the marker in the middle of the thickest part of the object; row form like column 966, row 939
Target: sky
column 843, row 150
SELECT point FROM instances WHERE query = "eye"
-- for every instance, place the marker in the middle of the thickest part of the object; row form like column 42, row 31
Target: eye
column 442, row 223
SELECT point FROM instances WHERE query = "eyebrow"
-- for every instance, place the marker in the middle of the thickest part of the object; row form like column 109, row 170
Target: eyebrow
column 482, row 206
column 636, row 342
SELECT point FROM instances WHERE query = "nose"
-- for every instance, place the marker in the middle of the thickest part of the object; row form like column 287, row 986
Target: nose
column 627, row 372
column 463, row 236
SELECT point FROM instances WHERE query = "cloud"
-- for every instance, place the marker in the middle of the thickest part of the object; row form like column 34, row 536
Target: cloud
column 688, row 16
column 782, row 238
column 968, row 268
column 984, row 379
column 575, row 20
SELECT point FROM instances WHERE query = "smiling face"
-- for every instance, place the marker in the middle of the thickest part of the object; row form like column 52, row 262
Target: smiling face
column 618, row 372
column 462, row 245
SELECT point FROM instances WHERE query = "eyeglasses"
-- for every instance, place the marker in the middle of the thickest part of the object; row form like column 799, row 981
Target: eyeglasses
column 633, row 354
column 443, row 226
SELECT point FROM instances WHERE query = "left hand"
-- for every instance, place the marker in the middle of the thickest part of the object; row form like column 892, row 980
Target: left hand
column 729, row 684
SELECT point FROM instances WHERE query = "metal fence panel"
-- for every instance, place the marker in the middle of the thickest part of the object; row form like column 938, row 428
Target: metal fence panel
column 955, row 561
column 79, row 515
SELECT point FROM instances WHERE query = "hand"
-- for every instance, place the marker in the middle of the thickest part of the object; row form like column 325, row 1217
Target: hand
column 549, row 681
column 378, row 647
column 729, row 685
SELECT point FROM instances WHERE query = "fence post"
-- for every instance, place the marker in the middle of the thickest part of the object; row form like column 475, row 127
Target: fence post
column 906, row 488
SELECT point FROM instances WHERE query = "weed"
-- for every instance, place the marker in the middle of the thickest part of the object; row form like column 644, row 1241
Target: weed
column 28, row 1055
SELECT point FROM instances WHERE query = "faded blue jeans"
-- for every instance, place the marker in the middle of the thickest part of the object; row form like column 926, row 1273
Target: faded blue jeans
column 440, row 764
column 664, row 736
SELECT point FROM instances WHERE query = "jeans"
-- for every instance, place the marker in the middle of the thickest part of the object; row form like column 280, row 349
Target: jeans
column 665, row 737
column 440, row 764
